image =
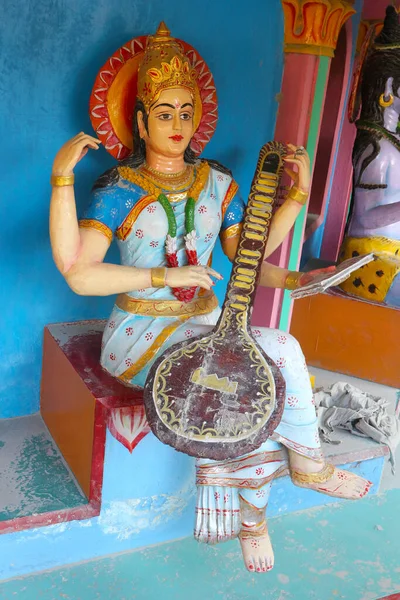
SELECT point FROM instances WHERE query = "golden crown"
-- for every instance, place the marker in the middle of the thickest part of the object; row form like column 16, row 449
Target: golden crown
column 164, row 66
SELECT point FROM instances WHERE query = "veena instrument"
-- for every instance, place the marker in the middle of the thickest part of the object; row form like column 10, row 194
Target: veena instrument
column 219, row 395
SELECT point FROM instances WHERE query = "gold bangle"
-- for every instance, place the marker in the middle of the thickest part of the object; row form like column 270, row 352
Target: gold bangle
column 297, row 195
column 61, row 180
column 292, row 280
column 319, row 477
column 158, row 276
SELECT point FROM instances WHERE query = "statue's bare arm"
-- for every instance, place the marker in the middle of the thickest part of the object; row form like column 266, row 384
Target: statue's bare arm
column 286, row 215
column 369, row 210
column 79, row 253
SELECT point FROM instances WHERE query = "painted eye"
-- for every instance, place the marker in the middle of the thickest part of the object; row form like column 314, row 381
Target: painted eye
column 186, row 116
column 165, row 117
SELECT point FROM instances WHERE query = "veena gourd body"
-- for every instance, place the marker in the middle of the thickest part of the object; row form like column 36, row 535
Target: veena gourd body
column 166, row 207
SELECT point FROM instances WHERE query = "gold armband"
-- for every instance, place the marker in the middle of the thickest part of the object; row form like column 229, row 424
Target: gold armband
column 61, row 180
column 297, row 195
column 158, row 276
column 292, row 280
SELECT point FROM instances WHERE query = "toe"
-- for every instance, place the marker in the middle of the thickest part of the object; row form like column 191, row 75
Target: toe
column 365, row 487
column 365, row 491
column 250, row 566
column 255, row 563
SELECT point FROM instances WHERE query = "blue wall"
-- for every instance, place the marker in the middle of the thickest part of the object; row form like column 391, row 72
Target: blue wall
column 50, row 54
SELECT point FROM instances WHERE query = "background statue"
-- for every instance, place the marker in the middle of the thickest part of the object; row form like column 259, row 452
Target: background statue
column 165, row 281
column 374, row 224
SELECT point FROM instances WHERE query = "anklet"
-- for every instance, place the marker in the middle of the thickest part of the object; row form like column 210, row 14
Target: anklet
column 320, row 477
column 253, row 531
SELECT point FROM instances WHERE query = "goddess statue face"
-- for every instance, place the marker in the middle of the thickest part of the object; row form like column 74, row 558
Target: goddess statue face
column 170, row 123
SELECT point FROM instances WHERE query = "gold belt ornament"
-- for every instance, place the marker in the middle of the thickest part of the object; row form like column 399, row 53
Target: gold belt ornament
column 167, row 308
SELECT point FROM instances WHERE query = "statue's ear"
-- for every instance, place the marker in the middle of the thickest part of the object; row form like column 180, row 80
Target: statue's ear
column 141, row 125
column 389, row 87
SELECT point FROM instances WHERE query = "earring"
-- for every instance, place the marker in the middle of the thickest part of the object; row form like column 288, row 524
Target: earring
column 386, row 102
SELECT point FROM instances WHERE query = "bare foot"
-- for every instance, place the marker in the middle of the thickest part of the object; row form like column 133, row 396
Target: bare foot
column 333, row 482
column 258, row 554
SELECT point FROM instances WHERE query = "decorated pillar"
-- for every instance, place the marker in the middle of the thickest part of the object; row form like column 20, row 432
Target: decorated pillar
column 339, row 197
column 311, row 31
column 314, row 27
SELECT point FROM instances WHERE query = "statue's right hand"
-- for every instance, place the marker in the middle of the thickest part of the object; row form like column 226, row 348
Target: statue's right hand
column 191, row 276
column 72, row 152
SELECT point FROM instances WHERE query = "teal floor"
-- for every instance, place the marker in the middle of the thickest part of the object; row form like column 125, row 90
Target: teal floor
column 348, row 551
column 34, row 478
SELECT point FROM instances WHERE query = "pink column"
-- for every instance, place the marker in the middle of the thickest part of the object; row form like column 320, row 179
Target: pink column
column 375, row 9
column 340, row 172
column 340, row 192
column 340, row 195
column 293, row 121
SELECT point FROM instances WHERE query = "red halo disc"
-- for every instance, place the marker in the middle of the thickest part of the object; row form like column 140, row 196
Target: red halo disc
column 113, row 98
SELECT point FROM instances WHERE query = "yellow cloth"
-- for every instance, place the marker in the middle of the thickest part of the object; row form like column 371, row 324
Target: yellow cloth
column 372, row 281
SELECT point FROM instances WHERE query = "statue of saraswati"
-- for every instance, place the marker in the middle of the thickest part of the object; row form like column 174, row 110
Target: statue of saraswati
column 374, row 224
column 166, row 207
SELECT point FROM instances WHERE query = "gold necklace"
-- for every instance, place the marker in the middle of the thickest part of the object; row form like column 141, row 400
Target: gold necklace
column 157, row 173
column 171, row 182
column 200, row 177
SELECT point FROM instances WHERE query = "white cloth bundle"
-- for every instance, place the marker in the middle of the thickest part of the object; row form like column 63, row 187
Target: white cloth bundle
column 344, row 406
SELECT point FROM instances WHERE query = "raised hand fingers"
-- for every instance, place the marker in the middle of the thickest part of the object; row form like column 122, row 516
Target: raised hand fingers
column 86, row 139
column 301, row 160
column 84, row 144
column 298, row 149
column 292, row 174
column 301, row 164
column 297, row 159
column 92, row 145
column 72, row 152
column 298, row 153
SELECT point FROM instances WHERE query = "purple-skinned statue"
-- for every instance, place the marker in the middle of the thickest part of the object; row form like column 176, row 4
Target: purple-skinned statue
column 374, row 223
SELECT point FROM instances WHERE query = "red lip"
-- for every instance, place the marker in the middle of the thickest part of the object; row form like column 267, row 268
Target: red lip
column 176, row 138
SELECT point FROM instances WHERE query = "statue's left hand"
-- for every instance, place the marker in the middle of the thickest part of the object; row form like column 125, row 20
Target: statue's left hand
column 298, row 156
column 310, row 276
